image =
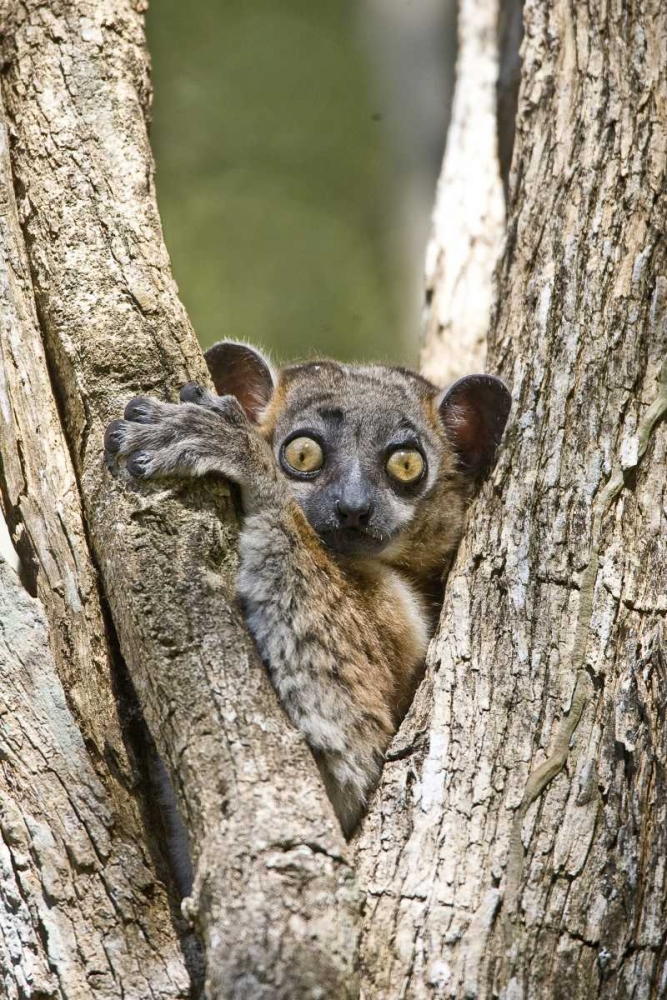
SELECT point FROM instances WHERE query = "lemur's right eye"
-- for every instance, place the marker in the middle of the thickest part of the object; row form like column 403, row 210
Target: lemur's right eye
column 303, row 455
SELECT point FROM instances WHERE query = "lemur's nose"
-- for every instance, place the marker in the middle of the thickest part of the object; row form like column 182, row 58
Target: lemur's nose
column 354, row 513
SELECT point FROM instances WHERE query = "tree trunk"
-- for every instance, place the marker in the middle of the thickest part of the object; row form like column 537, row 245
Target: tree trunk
column 273, row 896
column 517, row 847
column 81, row 912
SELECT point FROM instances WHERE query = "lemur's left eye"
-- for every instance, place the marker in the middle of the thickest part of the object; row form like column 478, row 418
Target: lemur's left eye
column 405, row 465
column 303, row 454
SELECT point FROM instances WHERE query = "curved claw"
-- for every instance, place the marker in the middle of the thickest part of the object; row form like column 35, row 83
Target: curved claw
column 138, row 409
column 137, row 464
column 192, row 392
column 113, row 436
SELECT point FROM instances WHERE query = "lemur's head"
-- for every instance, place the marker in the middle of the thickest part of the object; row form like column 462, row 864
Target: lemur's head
column 380, row 461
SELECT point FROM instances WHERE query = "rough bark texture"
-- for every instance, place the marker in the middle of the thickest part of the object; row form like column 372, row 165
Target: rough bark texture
column 41, row 501
column 81, row 913
column 274, row 898
column 51, row 795
column 517, row 847
column 469, row 213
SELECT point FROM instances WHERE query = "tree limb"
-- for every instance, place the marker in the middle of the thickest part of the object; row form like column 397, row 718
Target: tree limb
column 80, row 909
column 469, row 213
column 50, row 791
column 274, row 897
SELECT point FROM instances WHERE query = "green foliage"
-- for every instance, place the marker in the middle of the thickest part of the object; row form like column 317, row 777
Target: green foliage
column 274, row 182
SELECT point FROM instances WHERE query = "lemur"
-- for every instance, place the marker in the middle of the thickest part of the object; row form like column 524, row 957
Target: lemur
column 354, row 482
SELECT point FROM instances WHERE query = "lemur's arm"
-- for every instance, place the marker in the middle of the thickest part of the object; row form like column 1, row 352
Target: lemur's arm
column 321, row 638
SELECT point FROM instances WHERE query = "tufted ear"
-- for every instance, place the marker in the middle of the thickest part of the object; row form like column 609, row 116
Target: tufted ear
column 474, row 412
column 241, row 371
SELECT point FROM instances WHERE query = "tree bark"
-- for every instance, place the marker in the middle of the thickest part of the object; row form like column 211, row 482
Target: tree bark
column 81, row 906
column 81, row 912
column 469, row 212
column 274, row 896
column 41, row 500
column 517, row 846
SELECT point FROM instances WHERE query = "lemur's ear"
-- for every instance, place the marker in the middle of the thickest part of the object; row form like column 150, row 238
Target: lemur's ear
column 241, row 371
column 474, row 411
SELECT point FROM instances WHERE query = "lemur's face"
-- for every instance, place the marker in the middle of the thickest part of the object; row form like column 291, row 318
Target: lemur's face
column 369, row 453
column 359, row 452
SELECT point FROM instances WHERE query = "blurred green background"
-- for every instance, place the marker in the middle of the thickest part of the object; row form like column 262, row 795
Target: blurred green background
column 290, row 160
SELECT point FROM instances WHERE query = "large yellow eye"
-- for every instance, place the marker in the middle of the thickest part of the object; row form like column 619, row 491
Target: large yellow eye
column 303, row 454
column 406, row 465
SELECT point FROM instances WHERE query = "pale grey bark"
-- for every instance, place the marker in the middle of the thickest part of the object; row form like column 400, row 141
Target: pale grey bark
column 41, row 501
column 517, row 846
column 469, row 213
column 81, row 907
column 274, row 897
column 81, row 912
column 7, row 550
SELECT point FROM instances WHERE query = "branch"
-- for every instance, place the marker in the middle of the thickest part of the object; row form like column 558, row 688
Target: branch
column 544, row 691
column 80, row 910
column 273, row 896
column 42, row 504
column 50, row 793
column 469, row 213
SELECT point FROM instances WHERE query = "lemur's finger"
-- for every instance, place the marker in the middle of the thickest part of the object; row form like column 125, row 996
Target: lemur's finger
column 192, row 392
column 113, row 436
column 138, row 464
column 142, row 410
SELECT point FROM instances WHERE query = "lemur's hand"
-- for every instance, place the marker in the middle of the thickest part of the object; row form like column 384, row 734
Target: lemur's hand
column 205, row 433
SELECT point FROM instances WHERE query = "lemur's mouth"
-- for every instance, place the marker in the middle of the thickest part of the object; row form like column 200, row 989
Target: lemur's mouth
column 355, row 541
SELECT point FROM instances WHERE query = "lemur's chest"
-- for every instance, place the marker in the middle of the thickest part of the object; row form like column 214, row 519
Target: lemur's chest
column 402, row 609
column 401, row 619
